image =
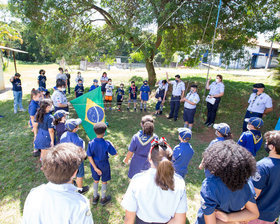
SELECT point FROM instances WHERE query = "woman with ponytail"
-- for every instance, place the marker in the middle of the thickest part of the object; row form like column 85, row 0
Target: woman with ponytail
column 43, row 128
column 157, row 195
column 33, row 106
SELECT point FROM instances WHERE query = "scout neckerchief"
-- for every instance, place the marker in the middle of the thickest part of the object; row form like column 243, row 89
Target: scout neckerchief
column 133, row 90
column 256, row 138
column 144, row 139
column 255, row 99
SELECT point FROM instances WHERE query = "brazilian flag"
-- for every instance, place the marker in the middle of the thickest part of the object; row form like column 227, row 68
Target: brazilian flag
column 90, row 108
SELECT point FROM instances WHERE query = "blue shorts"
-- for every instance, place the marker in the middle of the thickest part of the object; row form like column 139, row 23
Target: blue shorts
column 189, row 115
column 106, row 171
column 145, row 96
column 103, row 89
column 81, row 170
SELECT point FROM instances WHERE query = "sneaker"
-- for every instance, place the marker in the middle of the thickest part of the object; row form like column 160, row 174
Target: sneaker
column 75, row 183
column 206, row 123
column 145, row 110
column 127, row 109
column 134, row 109
column 160, row 113
column 140, row 109
column 95, row 199
column 106, row 200
column 119, row 109
column 1, row 116
column 36, row 153
column 84, row 190
column 15, row 111
column 169, row 117
column 209, row 125
column 22, row 110
column 175, row 118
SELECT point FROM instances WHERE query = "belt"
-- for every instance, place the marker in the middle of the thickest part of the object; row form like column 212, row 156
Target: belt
column 176, row 96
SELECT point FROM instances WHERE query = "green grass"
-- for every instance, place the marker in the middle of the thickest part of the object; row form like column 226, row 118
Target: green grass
column 20, row 171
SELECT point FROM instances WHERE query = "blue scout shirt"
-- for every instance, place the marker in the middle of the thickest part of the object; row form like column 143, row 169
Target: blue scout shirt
column 120, row 94
column 251, row 140
column 216, row 195
column 133, row 92
column 16, row 85
column 99, row 149
column 145, row 89
column 47, row 122
column 72, row 137
column 42, row 80
column 267, row 179
column 182, row 155
column 32, row 109
column 93, row 87
column 79, row 89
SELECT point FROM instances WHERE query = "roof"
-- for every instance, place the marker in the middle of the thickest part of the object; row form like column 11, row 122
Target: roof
column 12, row 49
column 267, row 44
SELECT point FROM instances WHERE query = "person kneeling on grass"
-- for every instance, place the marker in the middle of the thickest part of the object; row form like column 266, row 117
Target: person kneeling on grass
column 72, row 126
column 157, row 195
column 98, row 155
column 58, row 201
column 226, row 195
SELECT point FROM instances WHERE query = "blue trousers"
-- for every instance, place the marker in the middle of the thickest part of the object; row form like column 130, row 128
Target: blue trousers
column 17, row 100
column 248, row 115
column 174, row 106
column 158, row 105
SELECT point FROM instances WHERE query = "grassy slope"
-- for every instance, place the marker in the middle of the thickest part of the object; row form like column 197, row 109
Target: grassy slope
column 20, row 171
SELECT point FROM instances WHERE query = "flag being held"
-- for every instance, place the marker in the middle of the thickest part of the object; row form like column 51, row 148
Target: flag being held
column 90, row 108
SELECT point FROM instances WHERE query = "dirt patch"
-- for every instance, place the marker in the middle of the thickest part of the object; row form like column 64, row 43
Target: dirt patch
column 206, row 136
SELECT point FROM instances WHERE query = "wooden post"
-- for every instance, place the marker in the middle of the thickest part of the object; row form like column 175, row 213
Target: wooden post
column 269, row 56
column 15, row 62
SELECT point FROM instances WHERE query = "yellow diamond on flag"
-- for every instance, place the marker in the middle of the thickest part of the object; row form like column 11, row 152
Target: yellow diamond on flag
column 94, row 113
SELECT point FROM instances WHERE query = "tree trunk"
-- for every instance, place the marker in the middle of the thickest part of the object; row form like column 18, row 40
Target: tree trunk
column 151, row 72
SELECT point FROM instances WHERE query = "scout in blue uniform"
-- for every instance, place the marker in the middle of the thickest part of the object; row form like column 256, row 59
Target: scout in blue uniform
column 98, row 155
column 17, row 91
column 72, row 126
column 132, row 95
column 183, row 153
column 58, row 200
column 59, row 124
column 266, row 180
column 95, row 85
column 223, row 133
column 33, row 106
column 177, row 94
column 227, row 191
column 259, row 104
column 144, row 93
column 161, row 95
column 79, row 89
column 252, row 139
column 43, row 128
column 120, row 94
column 42, row 78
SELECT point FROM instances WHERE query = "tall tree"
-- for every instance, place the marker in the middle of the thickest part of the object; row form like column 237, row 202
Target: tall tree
column 176, row 23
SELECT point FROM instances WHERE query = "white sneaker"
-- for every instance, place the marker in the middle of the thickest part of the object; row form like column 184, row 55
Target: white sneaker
column 22, row 110
column 15, row 111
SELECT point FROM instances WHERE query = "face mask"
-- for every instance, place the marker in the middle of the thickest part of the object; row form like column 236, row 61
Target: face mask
column 266, row 148
column 255, row 90
column 133, row 84
column 110, row 83
column 217, row 80
column 177, row 81
column 80, row 84
column 145, row 83
column 192, row 91
column 217, row 133
column 121, row 87
column 248, row 127
column 63, row 89
column 52, row 108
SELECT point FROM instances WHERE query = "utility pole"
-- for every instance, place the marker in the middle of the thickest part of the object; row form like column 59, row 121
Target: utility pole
column 269, row 56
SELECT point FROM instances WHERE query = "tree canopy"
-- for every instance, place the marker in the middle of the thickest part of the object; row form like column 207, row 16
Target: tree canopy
column 147, row 26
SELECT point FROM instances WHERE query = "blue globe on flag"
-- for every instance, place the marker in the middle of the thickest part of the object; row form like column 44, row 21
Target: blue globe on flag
column 95, row 114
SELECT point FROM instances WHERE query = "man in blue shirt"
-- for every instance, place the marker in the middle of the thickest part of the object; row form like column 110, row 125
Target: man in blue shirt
column 252, row 139
column 266, row 180
column 42, row 78
column 183, row 153
column 72, row 126
column 98, row 155
column 17, row 91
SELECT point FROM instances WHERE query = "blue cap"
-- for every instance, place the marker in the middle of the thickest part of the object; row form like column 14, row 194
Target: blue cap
column 95, row 80
column 41, row 89
column 223, row 128
column 255, row 121
column 185, row 133
column 71, row 124
column 59, row 114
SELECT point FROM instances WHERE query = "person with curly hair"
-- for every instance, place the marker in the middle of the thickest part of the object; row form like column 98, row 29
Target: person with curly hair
column 227, row 195
column 266, row 181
